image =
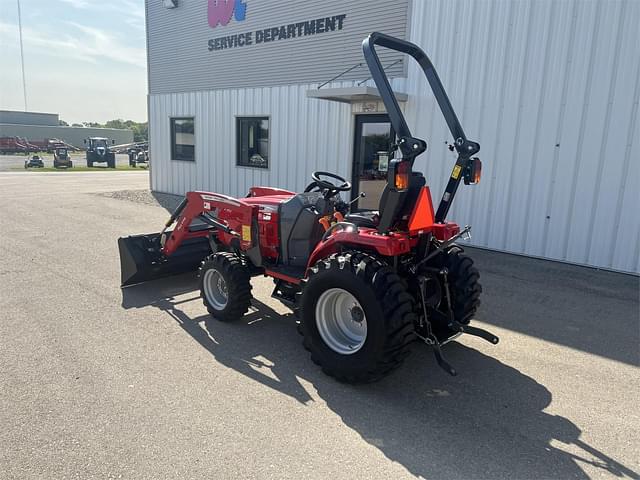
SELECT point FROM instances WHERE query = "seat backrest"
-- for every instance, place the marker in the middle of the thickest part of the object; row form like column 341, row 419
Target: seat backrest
column 299, row 229
column 395, row 205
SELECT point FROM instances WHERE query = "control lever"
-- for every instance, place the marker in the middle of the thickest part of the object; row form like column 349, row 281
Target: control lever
column 360, row 195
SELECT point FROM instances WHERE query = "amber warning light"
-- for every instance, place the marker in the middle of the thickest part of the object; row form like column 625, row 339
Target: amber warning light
column 473, row 172
column 402, row 175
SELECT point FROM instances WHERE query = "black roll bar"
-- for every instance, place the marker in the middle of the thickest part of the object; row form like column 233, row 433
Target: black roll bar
column 409, row 146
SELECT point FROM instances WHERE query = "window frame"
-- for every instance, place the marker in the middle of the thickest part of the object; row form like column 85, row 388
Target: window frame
column 172, row 135
column 238, row 120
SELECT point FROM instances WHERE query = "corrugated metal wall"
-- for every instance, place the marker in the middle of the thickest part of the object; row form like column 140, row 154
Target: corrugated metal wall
column 180, row 60
column 305, row 135
column 549, row 89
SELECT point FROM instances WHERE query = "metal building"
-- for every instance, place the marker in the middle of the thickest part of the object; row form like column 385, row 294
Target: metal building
column 36, row 126
column 237, row 97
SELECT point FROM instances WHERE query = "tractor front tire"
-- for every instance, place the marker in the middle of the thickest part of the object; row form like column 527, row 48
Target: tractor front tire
column 356, row 317
column 225, row 286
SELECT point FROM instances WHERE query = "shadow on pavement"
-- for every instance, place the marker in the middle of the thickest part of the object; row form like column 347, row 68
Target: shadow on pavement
column 583, row 308
column 579, row 307
column 486, row 423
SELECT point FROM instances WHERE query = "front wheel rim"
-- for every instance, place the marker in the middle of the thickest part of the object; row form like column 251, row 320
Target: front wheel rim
column 215, row 289
column 341, row 321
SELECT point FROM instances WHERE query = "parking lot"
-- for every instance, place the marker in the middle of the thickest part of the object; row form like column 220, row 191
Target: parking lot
column 16, row 162
column 96, row 382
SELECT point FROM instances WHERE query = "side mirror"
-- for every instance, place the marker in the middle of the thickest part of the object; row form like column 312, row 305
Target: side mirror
column 85, row 141
column 113, row 142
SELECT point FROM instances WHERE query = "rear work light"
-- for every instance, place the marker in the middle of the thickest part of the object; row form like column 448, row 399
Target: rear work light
column 402, row 175
column 473, row 171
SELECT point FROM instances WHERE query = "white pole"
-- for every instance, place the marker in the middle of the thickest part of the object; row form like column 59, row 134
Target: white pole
column 24, row 80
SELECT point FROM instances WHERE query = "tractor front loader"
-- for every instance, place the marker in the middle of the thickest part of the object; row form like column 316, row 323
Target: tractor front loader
column 364, row 285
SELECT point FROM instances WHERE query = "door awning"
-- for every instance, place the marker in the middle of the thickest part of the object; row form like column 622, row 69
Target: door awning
column 362, row 93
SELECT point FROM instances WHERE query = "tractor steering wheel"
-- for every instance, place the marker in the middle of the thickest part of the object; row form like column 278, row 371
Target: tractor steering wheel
column 329, row 188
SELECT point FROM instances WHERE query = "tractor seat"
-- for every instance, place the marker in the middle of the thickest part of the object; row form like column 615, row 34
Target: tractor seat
column 365, row 218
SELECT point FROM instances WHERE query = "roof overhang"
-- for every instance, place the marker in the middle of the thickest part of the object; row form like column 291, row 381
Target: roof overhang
column 363, row 93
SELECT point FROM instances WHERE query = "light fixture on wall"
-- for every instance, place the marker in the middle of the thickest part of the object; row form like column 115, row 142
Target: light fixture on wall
column 170, row 3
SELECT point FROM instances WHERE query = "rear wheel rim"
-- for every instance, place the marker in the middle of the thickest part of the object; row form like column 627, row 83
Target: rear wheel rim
column 215, row 289
column 341, row 321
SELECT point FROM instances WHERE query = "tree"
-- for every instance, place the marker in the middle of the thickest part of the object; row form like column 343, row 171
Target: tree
column 140, row 130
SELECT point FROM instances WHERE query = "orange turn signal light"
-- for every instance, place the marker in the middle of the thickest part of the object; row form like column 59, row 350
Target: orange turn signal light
column 402, row 176
column 474, row 172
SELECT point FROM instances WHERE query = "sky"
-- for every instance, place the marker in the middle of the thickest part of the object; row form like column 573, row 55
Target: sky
column 84, row 59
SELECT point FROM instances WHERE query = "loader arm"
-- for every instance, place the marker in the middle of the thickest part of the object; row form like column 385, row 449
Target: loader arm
column 204, row 222
column 228, row 217
column 409, row 146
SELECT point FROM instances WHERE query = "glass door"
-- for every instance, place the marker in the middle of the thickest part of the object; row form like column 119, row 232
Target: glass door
column 373, row 139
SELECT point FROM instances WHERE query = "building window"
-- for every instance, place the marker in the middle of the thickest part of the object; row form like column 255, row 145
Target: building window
column 183, row 139
column 252, row 137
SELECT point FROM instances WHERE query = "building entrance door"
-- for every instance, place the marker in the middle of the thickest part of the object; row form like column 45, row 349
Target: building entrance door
column 373, row 139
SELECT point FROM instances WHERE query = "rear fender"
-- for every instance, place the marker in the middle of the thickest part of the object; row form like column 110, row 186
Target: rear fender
column 390, row 245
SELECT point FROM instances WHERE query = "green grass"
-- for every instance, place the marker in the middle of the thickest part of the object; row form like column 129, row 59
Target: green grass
column 119, row 168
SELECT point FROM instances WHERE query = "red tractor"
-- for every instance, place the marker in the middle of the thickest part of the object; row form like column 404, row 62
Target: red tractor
column 364, row 285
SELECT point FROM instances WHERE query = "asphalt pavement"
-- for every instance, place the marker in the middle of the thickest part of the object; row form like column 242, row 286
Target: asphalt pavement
column 98, row 382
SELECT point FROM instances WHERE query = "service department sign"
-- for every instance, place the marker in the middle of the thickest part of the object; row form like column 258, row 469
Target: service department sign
column 253, row 43
column 282, row 32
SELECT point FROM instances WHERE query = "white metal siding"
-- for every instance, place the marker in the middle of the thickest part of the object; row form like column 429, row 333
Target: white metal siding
column 549, row 89
column 305, row 135
column 180, row 61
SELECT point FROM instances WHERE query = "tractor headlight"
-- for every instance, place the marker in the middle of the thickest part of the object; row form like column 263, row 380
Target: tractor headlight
column 473, row 172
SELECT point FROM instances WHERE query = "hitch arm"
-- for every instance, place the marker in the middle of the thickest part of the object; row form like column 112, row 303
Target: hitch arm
column 476, row 332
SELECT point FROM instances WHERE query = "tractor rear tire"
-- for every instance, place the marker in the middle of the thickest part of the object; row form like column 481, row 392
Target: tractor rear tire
column 464, row 285
column 364, row 290
column 225, row 286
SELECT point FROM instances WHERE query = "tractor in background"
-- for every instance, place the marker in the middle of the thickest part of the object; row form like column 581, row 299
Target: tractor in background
column 62, row 158
column 99, row 151
column 34, row 162
column 138, row 155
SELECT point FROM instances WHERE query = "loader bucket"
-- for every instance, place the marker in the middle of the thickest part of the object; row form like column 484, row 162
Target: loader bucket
column 141, row 261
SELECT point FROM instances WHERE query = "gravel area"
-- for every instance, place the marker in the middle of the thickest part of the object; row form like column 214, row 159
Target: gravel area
column 165, row 200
